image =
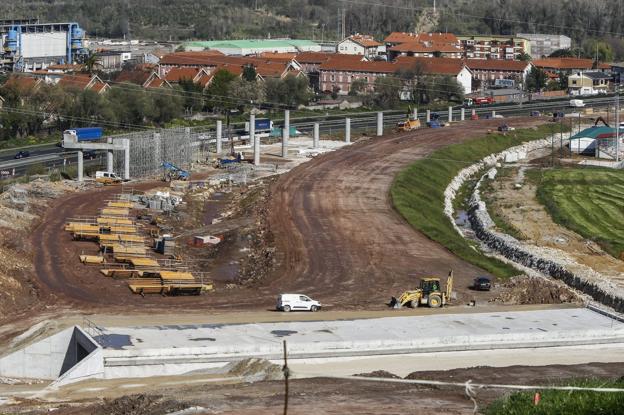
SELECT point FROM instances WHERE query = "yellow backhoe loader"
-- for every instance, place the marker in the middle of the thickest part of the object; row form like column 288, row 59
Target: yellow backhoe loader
column 408, row 125
column 429, row 294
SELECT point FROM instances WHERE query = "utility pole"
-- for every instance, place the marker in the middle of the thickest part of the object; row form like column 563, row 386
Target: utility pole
column 286, row 373
column 434, row 6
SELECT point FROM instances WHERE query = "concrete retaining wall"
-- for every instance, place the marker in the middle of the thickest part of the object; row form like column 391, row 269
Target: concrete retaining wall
column 65, row 357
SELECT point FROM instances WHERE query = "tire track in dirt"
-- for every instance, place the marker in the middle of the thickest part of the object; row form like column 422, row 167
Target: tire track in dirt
column 337, row 235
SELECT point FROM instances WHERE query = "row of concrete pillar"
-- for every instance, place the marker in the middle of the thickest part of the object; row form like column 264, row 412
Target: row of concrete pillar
column 255, row 143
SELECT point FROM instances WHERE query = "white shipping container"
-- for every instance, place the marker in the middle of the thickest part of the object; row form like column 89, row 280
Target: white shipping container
column 40, row 45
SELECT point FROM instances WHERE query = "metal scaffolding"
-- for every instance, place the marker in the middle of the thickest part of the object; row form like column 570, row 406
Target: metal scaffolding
column 179, row 146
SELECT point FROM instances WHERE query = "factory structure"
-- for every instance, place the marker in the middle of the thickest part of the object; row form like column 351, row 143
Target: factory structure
column 28, row 45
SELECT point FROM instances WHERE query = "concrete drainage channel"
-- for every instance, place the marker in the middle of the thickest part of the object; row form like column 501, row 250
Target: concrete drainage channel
column 138, row 352
column 509, row 247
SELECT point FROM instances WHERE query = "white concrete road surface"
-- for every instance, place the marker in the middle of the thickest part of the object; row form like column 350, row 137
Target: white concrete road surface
column 174, row 350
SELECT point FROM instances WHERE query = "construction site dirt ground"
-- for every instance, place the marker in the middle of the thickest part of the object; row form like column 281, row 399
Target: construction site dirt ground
column 337, row 238
column 314, row 395
column 519, row 207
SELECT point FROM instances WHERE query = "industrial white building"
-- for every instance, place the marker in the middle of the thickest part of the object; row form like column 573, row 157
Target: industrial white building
column 28, row 45
column 254, row 46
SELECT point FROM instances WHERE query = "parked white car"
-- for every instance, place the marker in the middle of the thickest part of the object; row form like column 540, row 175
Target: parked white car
column 297, row 302
column 577, row 103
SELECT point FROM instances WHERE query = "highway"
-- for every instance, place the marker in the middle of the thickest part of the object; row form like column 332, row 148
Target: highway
column 52, row 156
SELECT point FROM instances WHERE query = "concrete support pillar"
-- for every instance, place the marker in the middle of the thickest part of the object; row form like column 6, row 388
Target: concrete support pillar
column 80, row 166
column 450, row 114
column 348, row 130
column 493, row 114
column 219, row 135
column 415, row 113
column 317, row 135
column 428, row 115
column 126, row 143
column 109, row 157
column 379, row 124
column 286, row 133
column 463, row 114
column 253, row 139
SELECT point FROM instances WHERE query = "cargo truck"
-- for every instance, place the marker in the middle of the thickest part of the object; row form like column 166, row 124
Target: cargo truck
column 83, row 134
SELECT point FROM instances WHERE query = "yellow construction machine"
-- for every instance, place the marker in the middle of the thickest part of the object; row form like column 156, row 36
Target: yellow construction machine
column 408, row 125
column 430, row 294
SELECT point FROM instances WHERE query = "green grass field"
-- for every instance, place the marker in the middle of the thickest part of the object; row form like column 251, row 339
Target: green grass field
column 564, row 402
column 589, row 201
column 418, row 192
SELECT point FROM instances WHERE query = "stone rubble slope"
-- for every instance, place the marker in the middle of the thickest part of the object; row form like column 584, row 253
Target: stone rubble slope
column 549, row 262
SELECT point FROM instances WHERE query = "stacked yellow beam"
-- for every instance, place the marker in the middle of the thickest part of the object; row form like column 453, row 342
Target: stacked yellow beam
column 115, row 212
column 120, row 204
column 108, row 220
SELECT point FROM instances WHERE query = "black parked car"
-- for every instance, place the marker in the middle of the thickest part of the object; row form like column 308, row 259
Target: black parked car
column 481, row 284
column 22, row 154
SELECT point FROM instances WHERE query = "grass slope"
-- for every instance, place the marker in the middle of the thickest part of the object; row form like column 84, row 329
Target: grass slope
column 564, row 402
column 418, row 192
column 589, row 201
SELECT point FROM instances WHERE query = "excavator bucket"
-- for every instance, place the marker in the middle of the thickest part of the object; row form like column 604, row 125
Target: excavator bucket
column 394, row 303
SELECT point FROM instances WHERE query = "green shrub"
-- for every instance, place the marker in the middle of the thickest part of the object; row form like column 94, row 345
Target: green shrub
column 554, row 402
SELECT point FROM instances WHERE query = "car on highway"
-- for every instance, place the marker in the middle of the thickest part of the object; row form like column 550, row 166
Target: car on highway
column 482, row 284
column 296, row 302
column 22, row 154
column 89, row 155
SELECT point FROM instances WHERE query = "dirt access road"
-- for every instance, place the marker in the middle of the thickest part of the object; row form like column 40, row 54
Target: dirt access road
column 338, row 237
column 315, row 395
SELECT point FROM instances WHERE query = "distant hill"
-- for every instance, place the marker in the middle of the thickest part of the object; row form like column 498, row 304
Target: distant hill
column 219, row 19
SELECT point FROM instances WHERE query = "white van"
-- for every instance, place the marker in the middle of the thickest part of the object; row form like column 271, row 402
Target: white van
column 106, row 177
column 297, row 302
column 577, row 103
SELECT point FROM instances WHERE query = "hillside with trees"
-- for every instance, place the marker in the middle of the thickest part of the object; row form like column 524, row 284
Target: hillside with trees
column 582, row 20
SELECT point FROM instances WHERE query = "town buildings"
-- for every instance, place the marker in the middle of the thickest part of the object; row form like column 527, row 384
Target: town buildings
column 337, row 76
column 485, row 72
column 589, row 83
column 423, row 45
column 361, row 45
column 542, row 45
column 495, row 47
column 566, row 65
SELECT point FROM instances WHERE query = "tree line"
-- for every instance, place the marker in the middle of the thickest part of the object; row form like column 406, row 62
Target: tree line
column 583, row 20
column 48, row 109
